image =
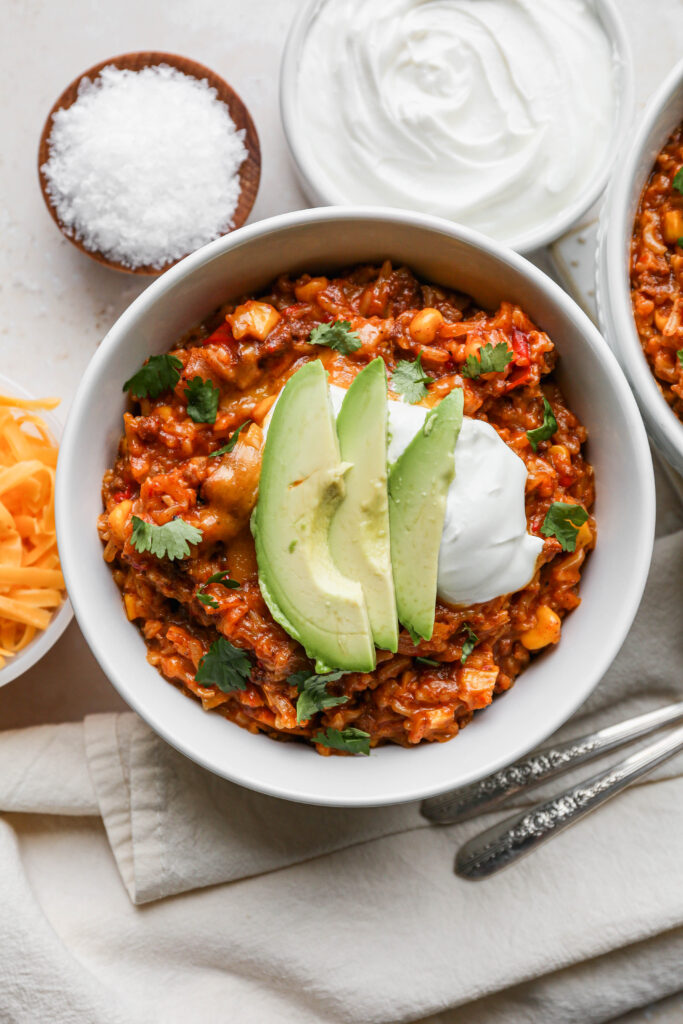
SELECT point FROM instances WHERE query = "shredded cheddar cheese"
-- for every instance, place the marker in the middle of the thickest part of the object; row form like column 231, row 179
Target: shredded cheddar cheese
column 31, row 581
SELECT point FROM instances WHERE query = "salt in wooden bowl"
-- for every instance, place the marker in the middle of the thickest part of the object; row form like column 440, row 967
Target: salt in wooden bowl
column 249, row 173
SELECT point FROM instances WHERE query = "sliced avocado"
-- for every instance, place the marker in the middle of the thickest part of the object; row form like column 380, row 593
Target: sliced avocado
column 418, row 485
column 301, row 485
column 359, row 532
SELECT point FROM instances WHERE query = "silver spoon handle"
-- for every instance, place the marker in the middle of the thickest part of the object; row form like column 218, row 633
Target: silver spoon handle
column 502, row 844
column 460, row 804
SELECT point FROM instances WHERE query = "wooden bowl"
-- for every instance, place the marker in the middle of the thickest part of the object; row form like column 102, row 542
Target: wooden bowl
column 249, row 173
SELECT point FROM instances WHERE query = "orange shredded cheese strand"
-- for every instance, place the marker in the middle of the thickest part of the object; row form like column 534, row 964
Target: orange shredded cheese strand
column 31, row 581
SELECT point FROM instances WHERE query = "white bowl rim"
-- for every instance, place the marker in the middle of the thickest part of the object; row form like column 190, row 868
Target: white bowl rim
column 643, row 471
column 526, row 242
column 613, row 284
column 41, row 644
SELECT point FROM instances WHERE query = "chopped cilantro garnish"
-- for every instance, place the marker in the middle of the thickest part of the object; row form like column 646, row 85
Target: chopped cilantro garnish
column 159, row 373
column 227, row 448
column 224, row 666
column 679, row 242
column 547, row 428
column 337, row 335
column 172, row 540
column 680, row 356
column 202, row 400
column 313, row 695
column 563, row 521
column 428, row 661
column 678, row 180
column 491, row 359
column 218, row 577
column 352, row 740
column 469, row 644
column 410, row 380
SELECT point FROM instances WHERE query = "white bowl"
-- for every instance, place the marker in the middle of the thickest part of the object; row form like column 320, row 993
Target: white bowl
column 663, row 114
column 318, row 190
column 42, row 642
column 551, row 689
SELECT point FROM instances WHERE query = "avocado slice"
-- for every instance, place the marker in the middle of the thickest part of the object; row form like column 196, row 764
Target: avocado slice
column 418, row 485
column 359, row 532
column 301, row 485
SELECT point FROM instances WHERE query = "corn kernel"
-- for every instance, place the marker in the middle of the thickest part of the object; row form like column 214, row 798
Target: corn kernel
column 672, row 226
column 132, row 606
column 584, row 536
column 546, row 631
column 425, row 324
column 307, row 292
column 118, row 517
column 256, row 319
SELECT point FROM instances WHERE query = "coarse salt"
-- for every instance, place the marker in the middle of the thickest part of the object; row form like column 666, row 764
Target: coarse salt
column 144, row 166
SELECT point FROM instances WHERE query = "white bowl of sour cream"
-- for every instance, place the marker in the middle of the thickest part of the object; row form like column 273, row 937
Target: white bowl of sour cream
column 502, row 115
column 555, row 683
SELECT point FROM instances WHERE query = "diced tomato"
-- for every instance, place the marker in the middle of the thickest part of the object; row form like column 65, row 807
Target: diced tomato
column 520, row 346
column 123, row 495
column 520, row 375
column 221, row 336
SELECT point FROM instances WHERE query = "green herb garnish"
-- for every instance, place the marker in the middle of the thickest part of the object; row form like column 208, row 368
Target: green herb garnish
column 227, row 448
column 159, row 373
column 680, row 356
column 547, row 428
column 172, row 540
column 491, row 359
column 469, row 644
column 202, row 400
column 338, row 336
column 410, row 380
column 352, row 740
column 563, row 520
column 224, row 666
column 218, row 577
column 313, row 695
column 678, row 180
column 428, row 661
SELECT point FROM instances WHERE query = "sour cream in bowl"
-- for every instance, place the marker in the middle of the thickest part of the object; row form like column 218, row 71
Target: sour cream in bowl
column 503, row 115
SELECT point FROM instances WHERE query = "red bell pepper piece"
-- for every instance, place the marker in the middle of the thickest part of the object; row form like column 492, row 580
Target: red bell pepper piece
column 520, row 346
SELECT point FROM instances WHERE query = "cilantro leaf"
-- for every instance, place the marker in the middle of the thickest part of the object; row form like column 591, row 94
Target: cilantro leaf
column 679, row 242
column 227, row 448
column 562, row 520
column 680, row 356
column 410, row 380
column 546, row 429
column 159, row 373
column 223, row 578
column 202, row 400
column 469, row 644
column 313, row 695
column 172, row 540
column 428, row 661
column 678, row 180
column 338, row 336
column 224, row 666
column 352, row 740
column 491, row 359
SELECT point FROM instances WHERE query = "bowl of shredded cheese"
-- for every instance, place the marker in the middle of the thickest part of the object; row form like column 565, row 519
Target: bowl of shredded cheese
column 34, row 608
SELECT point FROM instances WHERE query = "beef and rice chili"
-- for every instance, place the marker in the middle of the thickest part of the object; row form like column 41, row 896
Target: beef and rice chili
column 165, row 469
column 657, row 271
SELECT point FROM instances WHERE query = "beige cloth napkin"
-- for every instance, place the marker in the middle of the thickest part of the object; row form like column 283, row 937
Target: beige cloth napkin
column 355, row 915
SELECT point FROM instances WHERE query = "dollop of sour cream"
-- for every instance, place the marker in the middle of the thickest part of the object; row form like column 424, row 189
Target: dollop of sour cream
column 494, row 113
column 485, row 549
